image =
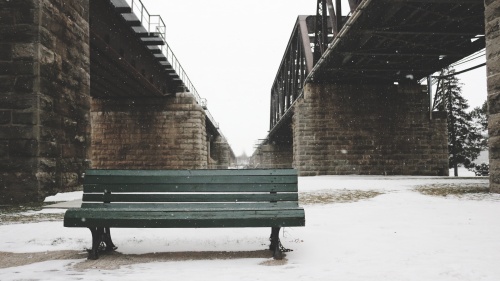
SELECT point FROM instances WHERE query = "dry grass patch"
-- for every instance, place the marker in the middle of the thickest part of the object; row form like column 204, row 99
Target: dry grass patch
column 473, row 191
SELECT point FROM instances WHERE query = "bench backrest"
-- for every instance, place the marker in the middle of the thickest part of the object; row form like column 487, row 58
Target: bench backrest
column 190, row 188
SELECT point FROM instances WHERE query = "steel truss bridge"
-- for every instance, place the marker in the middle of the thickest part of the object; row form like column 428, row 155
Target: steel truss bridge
column 379, row 42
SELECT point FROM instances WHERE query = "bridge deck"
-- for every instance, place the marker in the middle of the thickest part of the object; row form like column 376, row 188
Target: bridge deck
column 398, row 40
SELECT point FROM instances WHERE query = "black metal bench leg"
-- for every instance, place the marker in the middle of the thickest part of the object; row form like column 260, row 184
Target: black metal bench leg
column 275, row 243
column 96, row 241
column 107, row 240
column 101, row 241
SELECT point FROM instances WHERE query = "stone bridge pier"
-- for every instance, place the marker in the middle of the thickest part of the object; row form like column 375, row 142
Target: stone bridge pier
column 492, row 20
column 339, row 129
column 273, row 155
column 151, row 133
column 80, row 88
column 155, row 133
column 44, row 97
column 221, row 154
column 368, row 129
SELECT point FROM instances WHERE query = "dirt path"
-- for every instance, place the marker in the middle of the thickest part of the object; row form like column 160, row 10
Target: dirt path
column 18, row 259
column 116, row 260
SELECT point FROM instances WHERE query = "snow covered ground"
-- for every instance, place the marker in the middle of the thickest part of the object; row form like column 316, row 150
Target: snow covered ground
column 462, row 172
column 357, row 228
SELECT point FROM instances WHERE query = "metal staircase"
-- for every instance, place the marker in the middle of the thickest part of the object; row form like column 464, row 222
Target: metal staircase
column 151, row 30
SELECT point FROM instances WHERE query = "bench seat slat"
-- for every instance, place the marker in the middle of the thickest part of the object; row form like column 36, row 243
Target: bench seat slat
column 206, row 173
column 205, row 197
column 180, row 219
column 200, row 187
column 190, row 206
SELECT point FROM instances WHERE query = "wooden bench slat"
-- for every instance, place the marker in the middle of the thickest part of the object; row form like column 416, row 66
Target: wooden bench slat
column 192, row 206
column 145, row 214
column 199, row 187
column 192, row 179
column 179, row 219
column 204, row 197
column 209, row 173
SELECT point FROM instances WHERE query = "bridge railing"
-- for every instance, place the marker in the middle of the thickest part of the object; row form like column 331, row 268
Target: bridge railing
column 155, row 25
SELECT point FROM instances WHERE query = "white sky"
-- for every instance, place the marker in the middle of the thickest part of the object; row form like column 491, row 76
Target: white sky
column 231, row 51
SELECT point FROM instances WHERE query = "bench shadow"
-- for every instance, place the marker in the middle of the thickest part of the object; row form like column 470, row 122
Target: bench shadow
column 114, row 260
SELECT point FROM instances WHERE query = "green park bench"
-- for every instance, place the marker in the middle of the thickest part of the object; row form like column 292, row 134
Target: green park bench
column 186, row 199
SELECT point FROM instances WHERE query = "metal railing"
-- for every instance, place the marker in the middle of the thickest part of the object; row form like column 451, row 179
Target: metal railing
column 155, row 25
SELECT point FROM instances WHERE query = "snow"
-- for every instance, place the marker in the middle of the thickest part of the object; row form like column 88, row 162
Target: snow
column 398, row 235
column 462, row 172
column 67, row 196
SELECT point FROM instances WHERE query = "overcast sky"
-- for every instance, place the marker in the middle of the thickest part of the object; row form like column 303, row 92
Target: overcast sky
column 231, row 51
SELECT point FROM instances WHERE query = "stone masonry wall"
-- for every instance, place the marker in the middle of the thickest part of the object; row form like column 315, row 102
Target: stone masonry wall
column 44, row 97
column 368, row 129
column 220, row 152
column 492, row 18
column 272, row 156
column 162, row 133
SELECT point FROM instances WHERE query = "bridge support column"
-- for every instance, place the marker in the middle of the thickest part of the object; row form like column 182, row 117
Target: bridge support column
column 149, row 133
column 220, row 153
column 368, row 129
column 277, row 155
column 492, row 17
column 44, row 97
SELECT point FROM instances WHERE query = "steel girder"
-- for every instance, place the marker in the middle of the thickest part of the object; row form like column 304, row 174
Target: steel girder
column 329, row 22
column 302, row 53
column 295, row 66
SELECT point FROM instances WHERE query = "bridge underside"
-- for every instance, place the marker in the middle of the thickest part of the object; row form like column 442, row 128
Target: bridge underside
column 138, row 121
column 389, row 41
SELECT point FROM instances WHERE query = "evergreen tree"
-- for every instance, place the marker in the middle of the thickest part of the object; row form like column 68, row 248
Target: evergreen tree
column 480, row 118
column 480, row 121
column 464, row 139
